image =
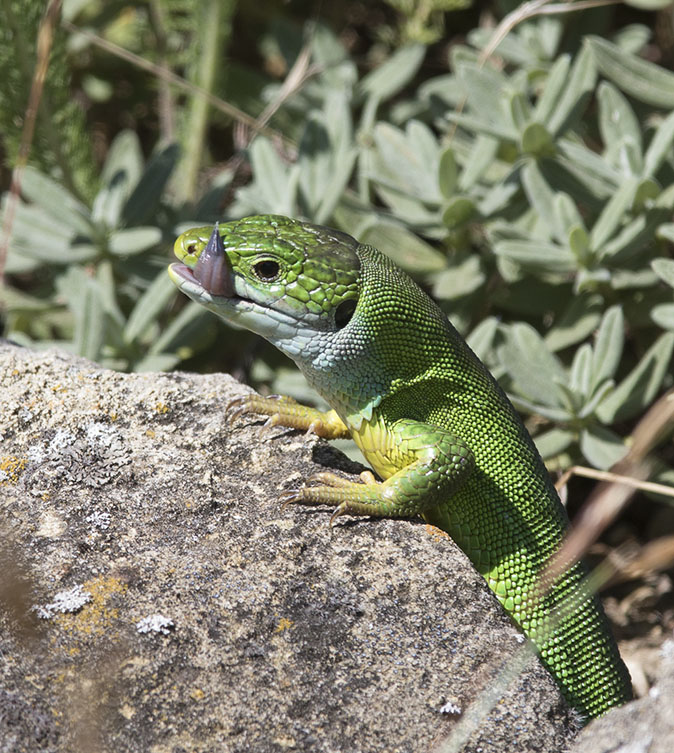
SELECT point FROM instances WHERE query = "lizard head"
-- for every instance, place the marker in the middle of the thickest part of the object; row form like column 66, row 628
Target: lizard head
column 291, row 282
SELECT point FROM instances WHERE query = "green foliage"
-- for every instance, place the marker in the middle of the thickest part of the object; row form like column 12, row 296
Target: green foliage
column 533, row 196
column 61, row 141
column 100, row 291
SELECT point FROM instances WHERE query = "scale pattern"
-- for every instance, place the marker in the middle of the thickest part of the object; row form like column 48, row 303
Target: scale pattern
column 507, row 516
column 430, row 419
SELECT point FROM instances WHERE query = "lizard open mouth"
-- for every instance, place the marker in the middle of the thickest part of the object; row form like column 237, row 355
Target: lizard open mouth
column 213, row 270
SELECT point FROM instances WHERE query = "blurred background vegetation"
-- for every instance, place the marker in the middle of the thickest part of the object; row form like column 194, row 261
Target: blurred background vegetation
column 522, row 173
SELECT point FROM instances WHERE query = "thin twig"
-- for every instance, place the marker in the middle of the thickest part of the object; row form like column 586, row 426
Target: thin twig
column 164, row 73
column 617, row 488
column 615, row 478
column 529, row 10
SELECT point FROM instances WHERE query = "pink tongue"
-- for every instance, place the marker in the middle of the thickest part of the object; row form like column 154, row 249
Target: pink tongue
column 213, row 270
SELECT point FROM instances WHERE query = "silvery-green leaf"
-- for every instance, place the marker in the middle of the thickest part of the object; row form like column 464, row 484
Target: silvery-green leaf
column 664, row 268
column 617, row 120
column 343, row 169
column 646, row 194
column 600, row 393
column 552, row 90
column 567, row 397
column 149, row 306
column 660, row 147
column 157, row 362
column 577, row 322
column 520, row 111
column 484, row 88
column 89, row 314
column 536, row 256
column 663, row 315
column 608, row 346
column 531, row 365
column 55, row 199
column 566, row 211
column 407, row 161
column 581, row 370
column 613, row 213
column 644, row 81
column 109, row 201
column 553, row 442
column 537, row 140
column 482, row 155
column 579, row 243
column 554, row 414
column 406, row 249
column 481, row 338
column 575, row 94
column 185, row 335
column 124, row 156
column 142, row 204
column 633, row 37
column 459, row 280
column 107, row 287
column 601, row 447
column 498, row 129
column 133, row 240
column 542, row 198
column 460, row 210
column 649, row 4
column 390, row 77
column 636, row 237
column 447, row 173
column 636, row 392
column 498, row 197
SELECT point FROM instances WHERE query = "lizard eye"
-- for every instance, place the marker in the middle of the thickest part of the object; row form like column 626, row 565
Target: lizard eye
column 344, row 312
column 267, row 270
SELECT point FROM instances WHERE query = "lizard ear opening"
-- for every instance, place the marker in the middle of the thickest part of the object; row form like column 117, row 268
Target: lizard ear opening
column 344, row 312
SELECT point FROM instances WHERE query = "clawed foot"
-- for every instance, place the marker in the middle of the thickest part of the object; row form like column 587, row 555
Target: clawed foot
column 332, row 489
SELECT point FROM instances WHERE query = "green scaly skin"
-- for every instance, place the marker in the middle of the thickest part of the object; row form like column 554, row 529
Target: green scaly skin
column 428, row 416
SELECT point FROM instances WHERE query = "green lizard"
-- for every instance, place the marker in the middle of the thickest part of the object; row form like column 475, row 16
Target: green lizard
column 426, row 413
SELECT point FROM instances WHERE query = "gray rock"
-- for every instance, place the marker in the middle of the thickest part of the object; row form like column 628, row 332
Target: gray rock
column 157, row 598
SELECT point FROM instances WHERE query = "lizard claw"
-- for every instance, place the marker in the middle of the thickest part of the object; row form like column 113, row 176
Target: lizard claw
column 235, row 408
column 339, row 511
column 289, row 497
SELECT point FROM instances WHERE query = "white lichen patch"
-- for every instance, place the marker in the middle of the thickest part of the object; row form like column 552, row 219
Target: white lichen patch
column 155, row 623
column 69, row 601
column 100, row 520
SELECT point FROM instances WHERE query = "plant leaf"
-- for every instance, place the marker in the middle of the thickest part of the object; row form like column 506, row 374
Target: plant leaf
column 664, row 269
column 608, row 347
column 149, row 306
column 601, row 447
column 133, row 240
column 644, row 81
column 636, row 392
column 390, row 77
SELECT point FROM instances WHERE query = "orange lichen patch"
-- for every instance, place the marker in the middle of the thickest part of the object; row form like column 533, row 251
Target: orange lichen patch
column 436, row 532
column 11, row 469
column 161, row 408
column 95, row 617
column 284, row 624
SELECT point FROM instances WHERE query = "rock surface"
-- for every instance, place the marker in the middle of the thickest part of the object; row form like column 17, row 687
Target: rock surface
column 155, row 596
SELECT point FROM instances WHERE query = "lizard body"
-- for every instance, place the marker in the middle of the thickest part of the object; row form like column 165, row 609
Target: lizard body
column 426, row 413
